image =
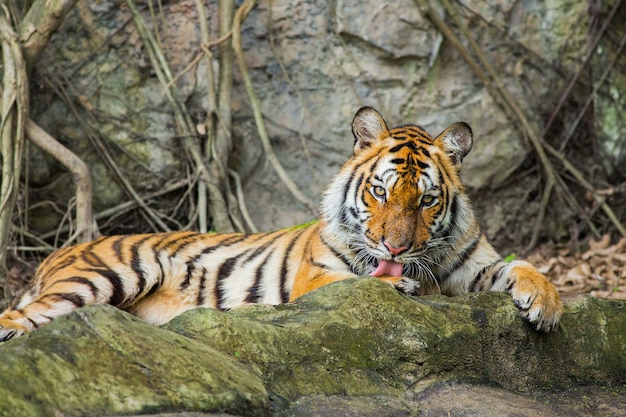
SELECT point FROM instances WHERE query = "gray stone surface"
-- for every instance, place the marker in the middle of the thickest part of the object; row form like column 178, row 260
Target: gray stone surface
column 338, row 56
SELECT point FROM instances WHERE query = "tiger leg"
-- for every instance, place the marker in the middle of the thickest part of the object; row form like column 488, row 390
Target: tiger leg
column 537, row 298
column 37, row 308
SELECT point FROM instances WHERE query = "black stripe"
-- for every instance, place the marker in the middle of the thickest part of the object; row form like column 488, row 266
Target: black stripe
column 159, row 238
column 70, row 260
column 512, row 283
column 259, row 251
column 441, row 211
column 398, row 161
column 284, row 269
column 475, row 284
column 408, row 144
column 359, row 181
column 346, row 187
column 422, row 165
column 73, row 298
column 187, row 237
column 410, row 129
column 254, row 292
column 34, row 323
column 158, row 284
column 335, row 252
column 343, row 215
column 469, row 250
column 370, row 236
column 118, row 295
column 58, row 254
column 446, row 207
column 135, row 264
column 89, row 246
column 477, row 281
column 82, row 281
column 363, row 194
column 192, row 261
column 201, row 287
column 223, row 272
column 92, row 259
column 319, row 264
column 442, row 180
column 117, row 248
column 454, row 208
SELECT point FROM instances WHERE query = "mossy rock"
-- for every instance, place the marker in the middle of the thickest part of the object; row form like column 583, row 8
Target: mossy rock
column 102, row 361
column 355, row 339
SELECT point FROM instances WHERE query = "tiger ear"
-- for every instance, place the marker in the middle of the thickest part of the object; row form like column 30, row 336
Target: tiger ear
column 368, row 127
column 457, row 141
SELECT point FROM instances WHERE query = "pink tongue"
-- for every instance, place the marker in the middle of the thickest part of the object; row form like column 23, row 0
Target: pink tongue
column 388, row 267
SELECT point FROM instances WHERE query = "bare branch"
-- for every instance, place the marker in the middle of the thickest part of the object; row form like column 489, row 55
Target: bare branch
column 80, row 172
column 241, row 14
column 14, row 112
column 43, row 19
column 218, row 206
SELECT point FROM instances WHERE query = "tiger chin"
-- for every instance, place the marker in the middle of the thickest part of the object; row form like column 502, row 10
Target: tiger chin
column 396, row 210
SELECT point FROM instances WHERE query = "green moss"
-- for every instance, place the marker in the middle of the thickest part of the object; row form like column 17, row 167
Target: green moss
column 301, row 226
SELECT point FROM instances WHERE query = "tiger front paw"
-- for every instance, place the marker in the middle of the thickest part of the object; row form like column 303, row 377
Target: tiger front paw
column 408, row 286
column 405, row 285
column 537, row 298
column 9, row 329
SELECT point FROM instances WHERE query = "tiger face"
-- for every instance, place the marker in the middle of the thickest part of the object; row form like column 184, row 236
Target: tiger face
column 400, row 196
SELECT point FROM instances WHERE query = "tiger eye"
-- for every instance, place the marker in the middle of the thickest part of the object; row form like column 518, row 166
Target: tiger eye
column 427, row 199
column 379, row 191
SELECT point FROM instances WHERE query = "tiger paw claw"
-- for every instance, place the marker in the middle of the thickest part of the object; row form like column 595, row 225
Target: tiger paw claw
column 6, row 334
column 9, row 330
column 542, row 311
column 408, row 286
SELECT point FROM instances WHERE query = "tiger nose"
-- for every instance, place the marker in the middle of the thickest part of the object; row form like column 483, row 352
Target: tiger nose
column 393, row 250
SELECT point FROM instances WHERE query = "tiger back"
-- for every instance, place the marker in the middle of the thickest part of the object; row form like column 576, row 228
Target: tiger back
column 396, row 210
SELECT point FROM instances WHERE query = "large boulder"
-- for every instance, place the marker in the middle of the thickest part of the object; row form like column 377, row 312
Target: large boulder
column 356, row 346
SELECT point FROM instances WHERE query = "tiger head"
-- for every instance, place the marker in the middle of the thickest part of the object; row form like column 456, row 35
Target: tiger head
column 398, row 206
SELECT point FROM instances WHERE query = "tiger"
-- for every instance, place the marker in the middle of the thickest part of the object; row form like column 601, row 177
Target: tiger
column 396, row 210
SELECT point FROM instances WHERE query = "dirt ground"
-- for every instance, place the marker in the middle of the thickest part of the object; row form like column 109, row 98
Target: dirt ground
column 599, row 271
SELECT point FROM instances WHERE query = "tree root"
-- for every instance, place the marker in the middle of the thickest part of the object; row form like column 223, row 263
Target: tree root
column 242, row 12
column 80, row 172
column 14, row 113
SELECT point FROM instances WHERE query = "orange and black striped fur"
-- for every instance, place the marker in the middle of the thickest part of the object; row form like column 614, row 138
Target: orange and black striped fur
column 397, row 210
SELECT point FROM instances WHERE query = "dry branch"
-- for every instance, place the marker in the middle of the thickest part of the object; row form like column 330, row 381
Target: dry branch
column 149, row 215
column 218, row 205
column 123, row 207
column 203, row 223
column 82, row 178
column 14, row 112
column 43, row 19
column 241, row 14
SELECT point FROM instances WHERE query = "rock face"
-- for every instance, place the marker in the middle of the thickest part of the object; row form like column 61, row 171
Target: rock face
column 356, row 347
column 313, row 64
